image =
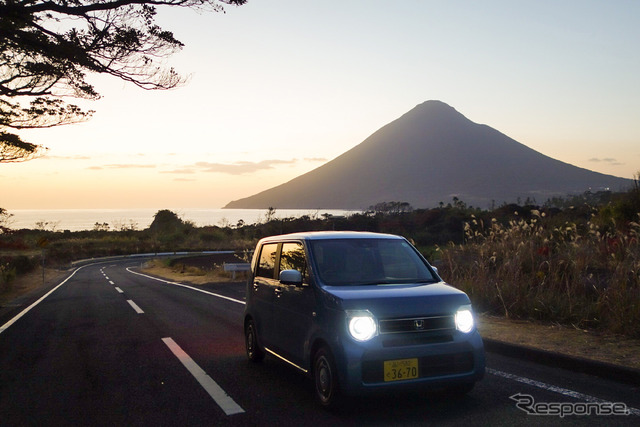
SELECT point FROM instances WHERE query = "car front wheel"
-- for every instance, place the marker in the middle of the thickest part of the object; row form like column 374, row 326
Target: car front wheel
column 325, row 378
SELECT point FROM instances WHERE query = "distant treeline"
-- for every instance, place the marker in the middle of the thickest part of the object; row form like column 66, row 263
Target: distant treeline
column 426, row 228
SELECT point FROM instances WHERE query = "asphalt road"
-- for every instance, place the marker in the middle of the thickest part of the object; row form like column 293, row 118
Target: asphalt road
column 112, row 347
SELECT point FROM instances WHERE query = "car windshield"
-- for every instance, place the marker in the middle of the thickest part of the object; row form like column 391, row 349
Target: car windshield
column 369, row 262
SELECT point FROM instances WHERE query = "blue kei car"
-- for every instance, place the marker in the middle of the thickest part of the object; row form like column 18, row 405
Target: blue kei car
column 359, row 312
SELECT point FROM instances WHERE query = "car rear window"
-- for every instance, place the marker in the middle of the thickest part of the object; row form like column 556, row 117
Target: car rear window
column 267, row 262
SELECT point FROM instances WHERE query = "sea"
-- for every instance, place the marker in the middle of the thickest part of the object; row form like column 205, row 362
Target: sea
column 139, row 219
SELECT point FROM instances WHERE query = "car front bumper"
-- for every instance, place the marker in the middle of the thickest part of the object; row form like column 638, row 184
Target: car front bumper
column 457, row 361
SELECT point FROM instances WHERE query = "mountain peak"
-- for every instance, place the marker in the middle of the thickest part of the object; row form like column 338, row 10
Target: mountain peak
column 434, row 109
column 427, row 156
column 434, row 105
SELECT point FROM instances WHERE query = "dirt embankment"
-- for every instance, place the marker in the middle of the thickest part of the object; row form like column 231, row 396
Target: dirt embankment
column 197, row 270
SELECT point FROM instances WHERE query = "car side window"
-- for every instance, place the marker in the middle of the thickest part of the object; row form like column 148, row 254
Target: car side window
column 293, row 258
column 267, row 262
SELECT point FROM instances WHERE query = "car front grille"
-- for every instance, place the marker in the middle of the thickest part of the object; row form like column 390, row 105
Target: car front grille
column 417, row 324
column 402, row 340
column 416, row 330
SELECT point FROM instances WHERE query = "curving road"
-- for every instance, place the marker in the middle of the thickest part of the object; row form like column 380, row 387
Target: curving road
column 111, row 346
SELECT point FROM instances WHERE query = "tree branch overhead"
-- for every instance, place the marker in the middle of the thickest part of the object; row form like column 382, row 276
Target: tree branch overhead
column 48, row 47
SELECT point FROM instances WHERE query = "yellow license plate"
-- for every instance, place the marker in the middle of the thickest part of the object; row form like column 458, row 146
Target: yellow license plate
column 398, row 370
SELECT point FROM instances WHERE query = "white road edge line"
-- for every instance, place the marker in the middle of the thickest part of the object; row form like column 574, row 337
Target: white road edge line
column 135, row 307
column 188, row 287
column 111, row 283
column 119, row 290
column 224, row 401
column 23, row 312
column 556, row 389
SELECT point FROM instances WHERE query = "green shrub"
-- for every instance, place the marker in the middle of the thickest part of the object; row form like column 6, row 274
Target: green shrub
column 7, row 276
column 20, row 263
column 12, row 266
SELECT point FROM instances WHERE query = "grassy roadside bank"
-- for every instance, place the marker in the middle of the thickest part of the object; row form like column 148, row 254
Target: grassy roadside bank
column 587, row 344
column 585, row 276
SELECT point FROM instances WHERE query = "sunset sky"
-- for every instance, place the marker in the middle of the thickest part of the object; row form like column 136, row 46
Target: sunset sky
column 277, row 88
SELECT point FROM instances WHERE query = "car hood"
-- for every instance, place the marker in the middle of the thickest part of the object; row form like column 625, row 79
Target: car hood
column 406, row 300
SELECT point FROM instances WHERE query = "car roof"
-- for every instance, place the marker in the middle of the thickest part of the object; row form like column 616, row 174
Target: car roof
column 327, row 235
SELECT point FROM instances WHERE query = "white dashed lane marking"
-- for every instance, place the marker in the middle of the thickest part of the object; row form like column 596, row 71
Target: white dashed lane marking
column 135, row 306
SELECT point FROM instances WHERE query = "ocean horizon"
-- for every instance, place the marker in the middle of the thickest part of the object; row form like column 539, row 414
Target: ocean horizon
column 86, row 219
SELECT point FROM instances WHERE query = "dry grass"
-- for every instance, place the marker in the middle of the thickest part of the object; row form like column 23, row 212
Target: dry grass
column 191, row 275
column 586, row 278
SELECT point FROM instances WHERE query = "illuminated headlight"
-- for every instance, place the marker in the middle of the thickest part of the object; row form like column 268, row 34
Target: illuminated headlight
column 464, row 319
column 362, row 325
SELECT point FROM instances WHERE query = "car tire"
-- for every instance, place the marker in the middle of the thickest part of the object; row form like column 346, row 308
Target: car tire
column 254, row 352
column 325, row 378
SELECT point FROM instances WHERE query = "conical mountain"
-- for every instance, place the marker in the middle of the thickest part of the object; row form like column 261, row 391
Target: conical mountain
column 430, row 155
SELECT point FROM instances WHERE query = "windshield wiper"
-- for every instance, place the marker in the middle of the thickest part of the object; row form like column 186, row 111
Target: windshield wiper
column 391, row 282
column 370, row 283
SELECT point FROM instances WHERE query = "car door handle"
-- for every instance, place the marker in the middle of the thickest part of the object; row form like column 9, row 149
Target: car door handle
column 255, row 286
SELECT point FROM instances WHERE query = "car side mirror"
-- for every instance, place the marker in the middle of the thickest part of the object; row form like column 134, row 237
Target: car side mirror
column 435, row 269
column 291, row 277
